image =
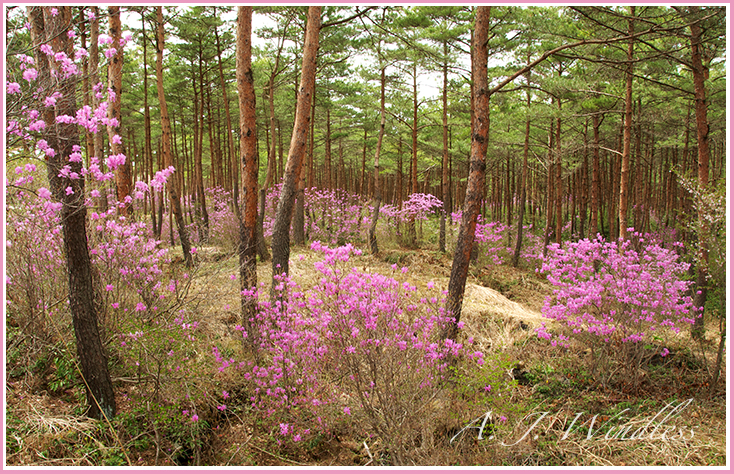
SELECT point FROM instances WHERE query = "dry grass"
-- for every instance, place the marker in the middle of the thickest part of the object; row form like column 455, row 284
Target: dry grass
column 497, row 323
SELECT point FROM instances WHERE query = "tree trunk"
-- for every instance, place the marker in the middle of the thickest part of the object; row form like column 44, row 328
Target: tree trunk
column 625, row 171
column 445, row 162
column 549, row 192
column 377, row 198
column 559, row 178
column 475, row 187
column 700, row 73
column 414, row 161
column 98, row 150
column 523, row 184
column 595, row 179
column 327, row 151
column 584, row 183
column 230, row 136
column 173, row 184
column 148, row 139
column 63, row 138
column 123, row 180
column 363, row 175
column 284, row 212
column 248, row 152
column 203, row 225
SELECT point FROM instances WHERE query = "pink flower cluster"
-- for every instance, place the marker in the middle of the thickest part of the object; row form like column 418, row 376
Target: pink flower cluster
column 360, row 329
column 417, row 206
column 617, row 292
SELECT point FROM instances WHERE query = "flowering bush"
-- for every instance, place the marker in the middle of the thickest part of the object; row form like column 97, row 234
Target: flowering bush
column 491, row 236
column 418, row 206
column 616, row 298
column 35, row 278
column 333, row 215
column 353, row 351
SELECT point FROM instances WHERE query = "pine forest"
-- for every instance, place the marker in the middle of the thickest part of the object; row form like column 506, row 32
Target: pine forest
column 393, row 235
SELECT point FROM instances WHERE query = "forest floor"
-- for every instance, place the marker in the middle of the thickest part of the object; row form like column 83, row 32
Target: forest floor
column 551, row 388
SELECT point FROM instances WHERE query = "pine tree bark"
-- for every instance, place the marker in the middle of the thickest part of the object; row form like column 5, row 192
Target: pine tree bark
column 595, row 178
column 284, row 212
column 200, row 209
column 173, row 184
column 146, row 125
column 47, row 28
column 550, row 194
column 624, row 177
column 559, row 178
column 700, row 73
column 475, row 187
column 414, row 161
column 234, row 172
column 445, row 190
column 248, row 151
column 523, row 184
column 377, row 197
column 327, row 151
column 123, row 178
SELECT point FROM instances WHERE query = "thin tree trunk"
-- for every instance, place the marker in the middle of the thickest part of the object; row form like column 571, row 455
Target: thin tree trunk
column 284, row 212
column 123, row 179
column 199, row 172
column 549, row 192
column 414, row 161
column 559, row 179
column 700, row 73
column 475, row 187
column 625, row 171
column 362, row 191
column 327, row 151
column 523, row 184
column 596, row 179
column 445, row 190
column 146, row 121
column 372, row 238
column 173, row 185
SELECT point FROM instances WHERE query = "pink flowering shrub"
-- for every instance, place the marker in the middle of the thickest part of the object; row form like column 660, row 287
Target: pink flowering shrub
column 357, row 349
column 617, row 297
column 35, row 276
column 496, row 241
column 418, row 206
column 223, row 223
column 492, row 240
column 333, row 215
column 160, row 355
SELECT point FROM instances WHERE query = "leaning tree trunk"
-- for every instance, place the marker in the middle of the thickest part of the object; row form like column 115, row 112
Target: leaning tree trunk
column 64, row 138
column 173, row 184
column 475, row 186
column 299, row 139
